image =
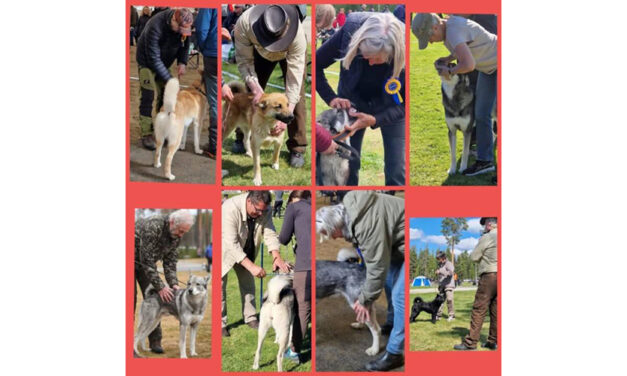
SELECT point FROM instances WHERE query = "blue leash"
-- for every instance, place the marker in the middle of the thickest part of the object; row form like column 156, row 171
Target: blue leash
column 361, row 258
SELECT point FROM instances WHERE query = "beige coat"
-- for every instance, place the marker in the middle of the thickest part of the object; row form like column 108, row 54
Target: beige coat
column 485, row 253
column 235, row 232
column 245, row 42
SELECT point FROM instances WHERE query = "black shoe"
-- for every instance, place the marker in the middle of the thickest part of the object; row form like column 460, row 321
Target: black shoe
column 386, row 329
column 253, row 324
column 156, row 348
column 225, row 332
column 297, row 160
column 462, row 346
column 386, row 362
column 238, row 147
column 148, row 142
column 489, row 345
column 480, row 167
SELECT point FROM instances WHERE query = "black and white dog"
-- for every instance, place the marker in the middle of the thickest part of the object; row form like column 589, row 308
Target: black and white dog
column 346, row 278
column 431, row 307
column 458, row 98
column 333, row 169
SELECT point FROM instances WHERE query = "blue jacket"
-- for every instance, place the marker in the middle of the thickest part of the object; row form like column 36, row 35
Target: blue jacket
column 207, row 32
column 158, row 46
column 377, row 102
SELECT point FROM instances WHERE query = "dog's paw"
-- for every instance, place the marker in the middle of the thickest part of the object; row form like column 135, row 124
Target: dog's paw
column 372, row 351
column 255, row 366
column 182, row 147
column 275, row 166
column 452, row 171
column 357, row 325
column 170, row 177
column 249, row 153
column 194, row 354
column 183, row 356
column 157, row 165
column 257, row 181
column 198, row 151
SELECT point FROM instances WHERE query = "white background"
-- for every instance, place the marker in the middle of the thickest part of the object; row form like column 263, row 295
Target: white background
column 63, row 163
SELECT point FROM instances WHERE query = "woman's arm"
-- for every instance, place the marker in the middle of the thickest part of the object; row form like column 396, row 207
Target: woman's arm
column 465, row 61
column 287, row 230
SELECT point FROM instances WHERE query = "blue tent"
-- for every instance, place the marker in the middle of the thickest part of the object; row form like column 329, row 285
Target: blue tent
column 421, row 281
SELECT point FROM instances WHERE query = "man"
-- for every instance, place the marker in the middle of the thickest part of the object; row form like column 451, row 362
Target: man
column 278, row 204
column 485, row 254
column 231, row 19
column 446, row 284
column 245, row 220
column 163, row 40
column 207, row 38
column 375, row 223
column 264, row 36
column 157, row 238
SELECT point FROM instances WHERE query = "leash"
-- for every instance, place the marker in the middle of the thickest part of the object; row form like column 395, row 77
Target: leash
column 362, row 262
column 341, row 136
column 354, row 154
column 163, row 274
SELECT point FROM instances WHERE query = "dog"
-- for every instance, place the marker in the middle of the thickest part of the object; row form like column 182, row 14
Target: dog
column 188, row 306
column 333, row 169
column 277, row 311
column 458, row 98
column 180, row 109
column 346, row 277
column 431, row 307
column 256, row 122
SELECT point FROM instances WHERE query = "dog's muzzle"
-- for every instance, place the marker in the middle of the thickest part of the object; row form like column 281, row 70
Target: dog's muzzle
column 286, row 119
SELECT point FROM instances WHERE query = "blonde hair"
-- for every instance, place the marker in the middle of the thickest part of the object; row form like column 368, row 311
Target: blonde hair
column 325, row 14
column 381, row 33
column 146, row 11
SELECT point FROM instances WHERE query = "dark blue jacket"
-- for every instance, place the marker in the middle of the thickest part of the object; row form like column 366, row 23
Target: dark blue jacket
column 207, row 32
column 377, row 102
column 159, row 46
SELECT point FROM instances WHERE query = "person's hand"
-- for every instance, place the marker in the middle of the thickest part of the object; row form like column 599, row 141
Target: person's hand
column 225, row 34
column 278, row 128
column 363, row 121
column 166, row 294
column 278, row 263
column 362, row 312
column 331, row 149
column 227, row 93
column 176, row 287
column 257, row 96
column 340, row 103
column 443, row 60
column 257, row 271
column 180, row 70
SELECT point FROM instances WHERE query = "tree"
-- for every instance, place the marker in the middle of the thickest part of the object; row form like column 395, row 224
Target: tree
column 452, row 230
column 413, row 262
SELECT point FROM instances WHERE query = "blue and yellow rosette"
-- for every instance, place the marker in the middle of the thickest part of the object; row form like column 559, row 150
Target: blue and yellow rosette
column 393, row 87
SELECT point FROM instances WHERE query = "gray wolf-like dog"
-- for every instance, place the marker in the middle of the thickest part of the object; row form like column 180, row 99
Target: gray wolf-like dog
column 188, row 306
column 333, row 169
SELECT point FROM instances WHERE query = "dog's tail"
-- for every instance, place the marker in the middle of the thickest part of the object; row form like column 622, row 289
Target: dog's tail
column 276, row 286
column 418, row 299
column 348, row 255
column 169, row 95
column 238, row 87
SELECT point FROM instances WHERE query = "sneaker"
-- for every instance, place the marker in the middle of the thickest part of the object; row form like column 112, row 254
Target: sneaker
column 209, row 154
column 386, row 362
column 238, row 147
column 225, row 332
column 148, row 142
column 291, row 355
column 462, row 346
column 450, row 318
column 480, row 167
column 253, row 324
column 225, row 173
column 297, row 160
column 489, row 345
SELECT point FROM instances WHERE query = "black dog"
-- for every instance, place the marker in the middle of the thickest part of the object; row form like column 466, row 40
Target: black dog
column 429, row 307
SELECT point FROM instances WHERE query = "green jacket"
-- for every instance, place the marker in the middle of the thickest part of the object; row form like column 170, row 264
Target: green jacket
column 485, row 253
column 377, row 225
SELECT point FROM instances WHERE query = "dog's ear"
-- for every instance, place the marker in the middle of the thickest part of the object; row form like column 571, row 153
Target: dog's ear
column 262, row 105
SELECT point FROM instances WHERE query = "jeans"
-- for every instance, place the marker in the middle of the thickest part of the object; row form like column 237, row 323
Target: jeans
column 211, row 85
column 396, row 342
column 393, row 153
column 485, row 100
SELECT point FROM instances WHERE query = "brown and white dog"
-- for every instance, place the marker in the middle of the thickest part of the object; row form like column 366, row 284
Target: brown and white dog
column 180, row 109
column 256, row 122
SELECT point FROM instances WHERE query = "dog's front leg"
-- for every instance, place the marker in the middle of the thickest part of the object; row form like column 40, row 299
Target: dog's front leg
column 182, row 344
column 466, row 150
column 375, row 330
column 197, row 123
column 256, row 161
column 275, row 155
column 247, row 144
column 452, row 141
column 192, row 339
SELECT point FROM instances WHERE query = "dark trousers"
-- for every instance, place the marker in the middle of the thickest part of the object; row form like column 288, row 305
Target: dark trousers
column 297, row 129
column 142, row 279
column 302, row 290
column 210, row 73
column 485, row 299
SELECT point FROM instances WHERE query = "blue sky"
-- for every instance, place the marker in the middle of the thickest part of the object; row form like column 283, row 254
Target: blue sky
column 426, row 231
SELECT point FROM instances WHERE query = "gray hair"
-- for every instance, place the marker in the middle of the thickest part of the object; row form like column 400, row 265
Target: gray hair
column 331, row 218
column 181, row 217
column 325, row 14
column 381, row 32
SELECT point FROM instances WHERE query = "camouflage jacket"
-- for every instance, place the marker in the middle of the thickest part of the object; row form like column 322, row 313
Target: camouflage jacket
column 153, row 242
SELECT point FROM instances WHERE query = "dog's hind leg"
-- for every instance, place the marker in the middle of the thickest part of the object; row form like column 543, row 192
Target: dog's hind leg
column 375, row 330
column 157, row 156
column 466, row 150
column 452, row 142
column 264, row 325
column 183, row 137
column 168, row 160
column 182, row 344
column 193, row 330
column 197, row 123
column 283, row 339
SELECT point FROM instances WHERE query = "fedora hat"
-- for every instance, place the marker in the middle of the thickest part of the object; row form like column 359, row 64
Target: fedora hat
column 274, row 26
column 484, row 219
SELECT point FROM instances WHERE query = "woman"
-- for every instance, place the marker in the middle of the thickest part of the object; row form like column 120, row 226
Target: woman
column 297, row 222
column 143, row 19
column 474, row 48
column 371, row 47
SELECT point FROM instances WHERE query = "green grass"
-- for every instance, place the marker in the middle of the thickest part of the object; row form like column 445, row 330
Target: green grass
column 429, row 155
column 238, row 350
column 371, row 172
column 443, row 335
column 240, row 166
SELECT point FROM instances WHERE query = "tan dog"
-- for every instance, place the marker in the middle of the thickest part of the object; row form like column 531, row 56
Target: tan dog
column 180, row 109
column 256, row 122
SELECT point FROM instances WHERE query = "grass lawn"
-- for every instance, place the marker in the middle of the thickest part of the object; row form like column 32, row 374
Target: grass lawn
column 238, row 350
column 443, row 335
column 429, row 156
column 170, row 326
column 371, row 172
